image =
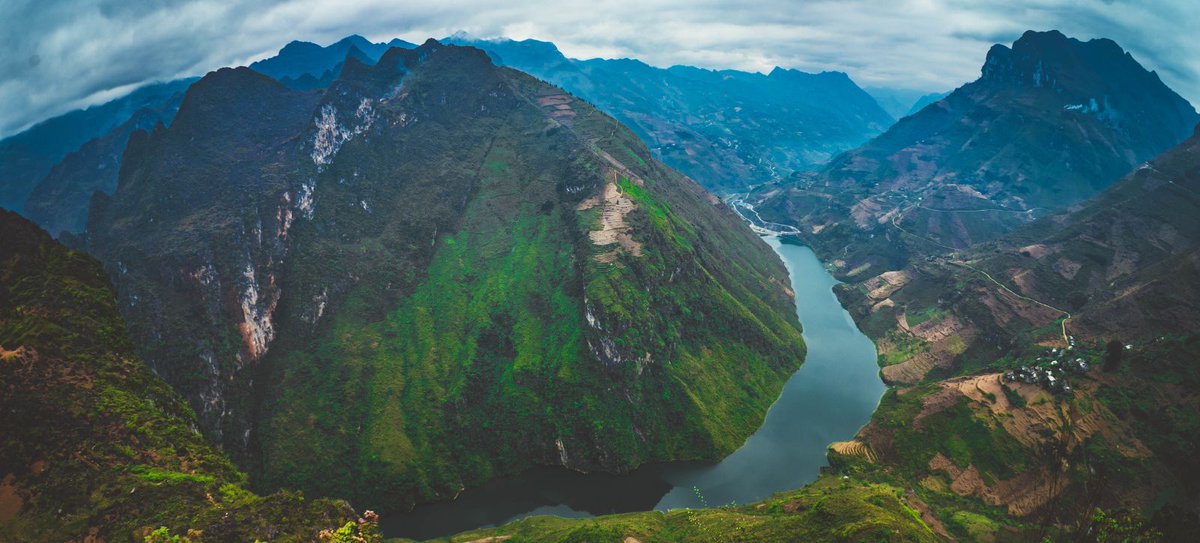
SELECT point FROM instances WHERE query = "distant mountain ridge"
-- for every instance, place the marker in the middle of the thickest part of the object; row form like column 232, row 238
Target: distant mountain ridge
column 27, row 157
column 307, row 66
column 724, row 128
column 1050, row 122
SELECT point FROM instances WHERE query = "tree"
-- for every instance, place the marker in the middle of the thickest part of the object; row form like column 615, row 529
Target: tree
column 1125, row 526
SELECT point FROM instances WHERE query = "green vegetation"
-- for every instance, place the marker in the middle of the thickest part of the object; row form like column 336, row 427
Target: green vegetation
column 901, row 346
column 931, row 313
column 956, row 432
column 1014, row 399
column 977, row 527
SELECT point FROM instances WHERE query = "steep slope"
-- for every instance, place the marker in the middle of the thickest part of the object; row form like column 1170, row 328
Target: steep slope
column 171, row 218
column 1050, row 122
column 455, row 269
column 59, row 203
column 726, row 129
column 96, row 448
column 1126, row 261
column 27, row 157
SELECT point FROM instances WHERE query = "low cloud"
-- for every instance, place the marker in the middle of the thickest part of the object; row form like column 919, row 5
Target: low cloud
column 64, row 54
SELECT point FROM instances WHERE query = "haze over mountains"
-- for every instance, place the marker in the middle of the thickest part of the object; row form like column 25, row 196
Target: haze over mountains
column 900, row 103
column 726, row 129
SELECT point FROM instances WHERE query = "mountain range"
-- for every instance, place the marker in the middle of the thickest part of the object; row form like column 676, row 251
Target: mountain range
column 307, row 66
column 50, row 171
column 725, row 129
column 900, row 103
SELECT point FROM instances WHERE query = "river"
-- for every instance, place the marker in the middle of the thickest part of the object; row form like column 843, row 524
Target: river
column 828, row 399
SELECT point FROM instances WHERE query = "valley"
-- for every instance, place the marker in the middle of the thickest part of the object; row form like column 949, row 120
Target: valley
column 478, row 290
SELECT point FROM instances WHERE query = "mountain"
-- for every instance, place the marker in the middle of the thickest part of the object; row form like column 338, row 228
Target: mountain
column 1128, row 260
column 434, row 273
column 1050, row 122
column 723, row 128
column 27, row 157
column 96, row 448
column 304, row 65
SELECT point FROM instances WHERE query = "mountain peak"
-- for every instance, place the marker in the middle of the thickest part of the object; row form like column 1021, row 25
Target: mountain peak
column 353, row 39
column 1047, row 37
column 1054, row 61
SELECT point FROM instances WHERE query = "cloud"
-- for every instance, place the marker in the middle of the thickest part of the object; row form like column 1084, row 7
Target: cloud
column 64, row 54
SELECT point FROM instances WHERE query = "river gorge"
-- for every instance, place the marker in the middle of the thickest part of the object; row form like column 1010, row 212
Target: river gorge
column 828, row 399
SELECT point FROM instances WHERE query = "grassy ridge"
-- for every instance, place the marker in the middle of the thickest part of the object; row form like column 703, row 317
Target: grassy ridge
column 830, row 509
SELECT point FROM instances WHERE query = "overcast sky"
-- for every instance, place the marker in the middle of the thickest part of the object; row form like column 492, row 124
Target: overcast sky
column 59, row 55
